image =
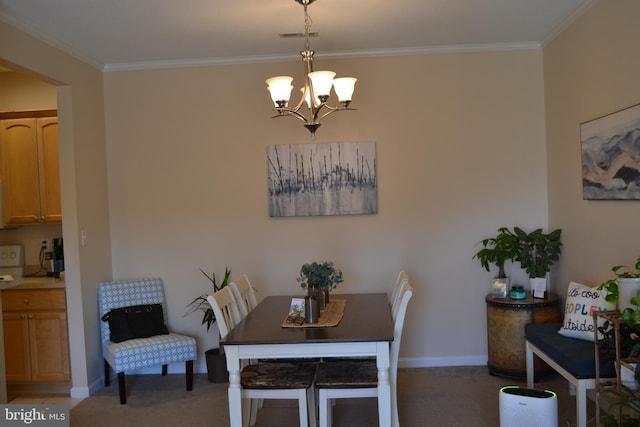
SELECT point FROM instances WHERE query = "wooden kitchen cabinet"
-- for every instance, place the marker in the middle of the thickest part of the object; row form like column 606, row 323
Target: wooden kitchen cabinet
column 36, row 340
column 30, row 171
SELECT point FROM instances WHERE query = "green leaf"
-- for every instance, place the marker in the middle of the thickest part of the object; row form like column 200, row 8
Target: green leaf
column 201, row 303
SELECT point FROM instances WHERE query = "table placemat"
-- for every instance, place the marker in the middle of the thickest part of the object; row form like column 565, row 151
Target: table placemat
column 330, row 316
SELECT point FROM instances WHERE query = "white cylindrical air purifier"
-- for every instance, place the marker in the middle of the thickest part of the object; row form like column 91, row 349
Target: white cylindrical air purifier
column 527, row 407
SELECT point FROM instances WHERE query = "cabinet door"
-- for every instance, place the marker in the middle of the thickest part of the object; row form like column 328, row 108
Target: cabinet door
column 49, row 170
column 49, row 346
column 16, row 347
column 20, row 180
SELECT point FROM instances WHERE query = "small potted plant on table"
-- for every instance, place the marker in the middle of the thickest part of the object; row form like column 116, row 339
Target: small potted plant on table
column 319, row 278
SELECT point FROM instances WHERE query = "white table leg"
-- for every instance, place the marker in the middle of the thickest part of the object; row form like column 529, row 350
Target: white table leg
column 235, row 389
column 384, row 388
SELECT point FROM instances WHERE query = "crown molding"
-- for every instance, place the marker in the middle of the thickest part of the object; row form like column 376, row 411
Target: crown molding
column 202, row 62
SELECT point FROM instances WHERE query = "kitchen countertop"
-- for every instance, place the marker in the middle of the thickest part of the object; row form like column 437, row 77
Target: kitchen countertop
column 33, row 283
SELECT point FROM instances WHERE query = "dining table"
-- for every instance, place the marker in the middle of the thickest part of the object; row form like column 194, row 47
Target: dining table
column 365, row 330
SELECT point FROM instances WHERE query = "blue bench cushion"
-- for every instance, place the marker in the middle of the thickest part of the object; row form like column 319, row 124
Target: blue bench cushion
column 575, row 355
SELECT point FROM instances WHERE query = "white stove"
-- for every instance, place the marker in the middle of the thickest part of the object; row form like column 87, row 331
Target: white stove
column 12, row 260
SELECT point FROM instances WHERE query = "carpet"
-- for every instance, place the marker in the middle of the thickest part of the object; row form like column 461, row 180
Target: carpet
column 437, row 397
column 154, row 400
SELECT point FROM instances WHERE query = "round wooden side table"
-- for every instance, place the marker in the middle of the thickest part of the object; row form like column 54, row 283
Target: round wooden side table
column 506, row 318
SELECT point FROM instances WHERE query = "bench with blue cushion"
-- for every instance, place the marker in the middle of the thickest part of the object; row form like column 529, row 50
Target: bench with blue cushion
column 572, row 358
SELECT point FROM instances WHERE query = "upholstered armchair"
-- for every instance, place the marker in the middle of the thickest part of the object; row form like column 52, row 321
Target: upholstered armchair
column 137, row 353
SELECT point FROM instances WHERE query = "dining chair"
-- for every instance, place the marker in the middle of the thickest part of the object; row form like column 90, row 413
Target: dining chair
column 402, row 278
column 359, row 378
column 267, row 380
column 158, row 350
column 244, row 294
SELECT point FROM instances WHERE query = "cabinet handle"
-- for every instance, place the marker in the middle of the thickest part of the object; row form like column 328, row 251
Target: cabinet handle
column 22, row 316
column 26, row 301
column 30, row 316
column 42, row 218
column 35, row 218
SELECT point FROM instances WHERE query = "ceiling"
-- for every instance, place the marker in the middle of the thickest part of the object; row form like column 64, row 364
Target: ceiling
column 127, row 34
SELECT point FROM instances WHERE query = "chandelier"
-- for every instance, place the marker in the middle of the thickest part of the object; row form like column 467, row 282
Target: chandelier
column 316, row 90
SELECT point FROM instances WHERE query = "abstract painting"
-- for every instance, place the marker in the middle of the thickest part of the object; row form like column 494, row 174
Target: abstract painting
column 611, row 156
column 322, row 179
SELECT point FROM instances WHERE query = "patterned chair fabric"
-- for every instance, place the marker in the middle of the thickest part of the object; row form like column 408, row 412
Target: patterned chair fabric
column 356, row 373
column 278, row 375
column 159, row 350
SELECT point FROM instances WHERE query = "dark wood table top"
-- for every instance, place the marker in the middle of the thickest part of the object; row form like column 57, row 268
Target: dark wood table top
column 367, row 317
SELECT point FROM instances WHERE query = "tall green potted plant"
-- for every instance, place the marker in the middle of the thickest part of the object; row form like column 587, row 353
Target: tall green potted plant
column 497, row 251
column 215, row 359
column 537, row 251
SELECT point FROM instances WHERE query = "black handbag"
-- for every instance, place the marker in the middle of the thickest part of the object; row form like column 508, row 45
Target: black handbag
column 136, row 321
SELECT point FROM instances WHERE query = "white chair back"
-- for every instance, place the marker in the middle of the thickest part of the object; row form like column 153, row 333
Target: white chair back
column 244, row 294
column 402, row 277
column 405, row 294
column 395, row 306
column 398, row 322
column 225, row 308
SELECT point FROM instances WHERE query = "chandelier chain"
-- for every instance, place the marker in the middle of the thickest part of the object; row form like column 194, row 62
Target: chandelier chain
column 307, row 28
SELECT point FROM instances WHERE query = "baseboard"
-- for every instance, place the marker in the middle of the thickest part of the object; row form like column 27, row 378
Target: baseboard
column 80, row 392
column 38, row 389
column 94, row 387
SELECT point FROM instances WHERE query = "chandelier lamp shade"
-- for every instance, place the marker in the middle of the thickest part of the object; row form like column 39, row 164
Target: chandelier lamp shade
column 316, row 89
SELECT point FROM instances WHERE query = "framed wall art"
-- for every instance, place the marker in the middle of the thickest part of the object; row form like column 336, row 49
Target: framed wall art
column 322, row 179
column 611, row 156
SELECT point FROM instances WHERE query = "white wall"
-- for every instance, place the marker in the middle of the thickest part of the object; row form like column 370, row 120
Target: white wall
column 83, row 182
column 460, row 146
column 21, row 92
column 591, row 70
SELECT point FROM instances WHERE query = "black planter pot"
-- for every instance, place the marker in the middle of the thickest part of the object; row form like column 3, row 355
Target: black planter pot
column 216, row 366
